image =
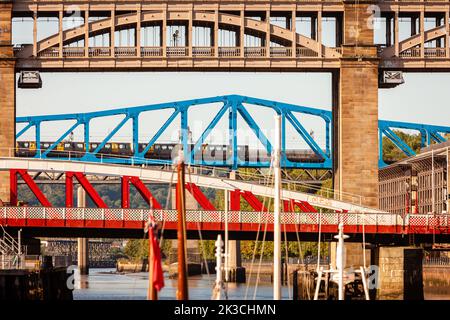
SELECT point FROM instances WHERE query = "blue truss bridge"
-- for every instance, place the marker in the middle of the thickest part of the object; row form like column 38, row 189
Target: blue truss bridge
column 234, row 154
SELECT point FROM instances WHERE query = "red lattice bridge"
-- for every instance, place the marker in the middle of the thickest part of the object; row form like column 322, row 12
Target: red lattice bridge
column 300, row 217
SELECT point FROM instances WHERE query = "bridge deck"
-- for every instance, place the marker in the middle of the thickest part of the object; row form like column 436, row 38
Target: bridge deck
column 292, row 222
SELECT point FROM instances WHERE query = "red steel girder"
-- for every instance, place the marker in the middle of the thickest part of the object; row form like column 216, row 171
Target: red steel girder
column 251, row 199
column 30, row 183
column 145, row 192
column 87, row 186
column 200, row 197
column 289, row 206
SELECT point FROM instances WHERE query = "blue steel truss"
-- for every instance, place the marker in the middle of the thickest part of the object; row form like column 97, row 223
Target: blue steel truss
column 234, row 106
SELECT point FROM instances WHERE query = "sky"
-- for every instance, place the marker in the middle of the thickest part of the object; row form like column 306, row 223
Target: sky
column 422, row 98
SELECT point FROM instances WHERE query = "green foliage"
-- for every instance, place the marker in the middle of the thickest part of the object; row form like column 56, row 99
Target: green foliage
column 136, row 249
column 207, row 249
column 117, row 253
column 111, row 195
column 392, row 153
column 306, row 249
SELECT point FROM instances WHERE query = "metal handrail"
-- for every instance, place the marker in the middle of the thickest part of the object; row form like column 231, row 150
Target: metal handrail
column 216, row 171
column 332, row 218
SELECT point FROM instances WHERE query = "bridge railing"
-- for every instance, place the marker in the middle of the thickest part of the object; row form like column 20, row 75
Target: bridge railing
column 236, row 217
column 71, row 52
column 99, row 52
column 152, row 51
column 305, row 52
column 177, row 51
column 249, row 52
column 219, row 172
column 203, row 51
column 125, row 51
column 436, row 261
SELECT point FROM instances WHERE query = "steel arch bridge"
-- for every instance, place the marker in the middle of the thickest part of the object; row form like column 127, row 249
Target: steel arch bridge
column 232, row 106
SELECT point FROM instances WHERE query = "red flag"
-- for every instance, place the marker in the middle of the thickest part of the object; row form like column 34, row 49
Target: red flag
column 158, row 275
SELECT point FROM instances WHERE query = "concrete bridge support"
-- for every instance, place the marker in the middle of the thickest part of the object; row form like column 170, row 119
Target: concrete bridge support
column 83, row 243
column 236, row 273
column 355, row 116
column 7, row 93
column 192, row 246
column 355, row 110
column 400, row 273
column 448, row 181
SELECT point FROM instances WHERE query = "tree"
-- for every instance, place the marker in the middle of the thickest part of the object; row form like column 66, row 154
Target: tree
column 392, row 153
column 136, row 250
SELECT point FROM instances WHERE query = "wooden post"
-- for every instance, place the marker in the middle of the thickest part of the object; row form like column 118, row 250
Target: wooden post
column 422, row 33
column 86, row 32
column 319, row 33
column 396, row 33
column 268, row 33
column 112, row 39
column 35, row 33
column 190, row 31
column 447, row 35
column 294, row 32
column 138, row 32
column 242, row 34
column 152, row 294
column 216, row 32
column 164, row 32
column 182, row 292
column 60, row 30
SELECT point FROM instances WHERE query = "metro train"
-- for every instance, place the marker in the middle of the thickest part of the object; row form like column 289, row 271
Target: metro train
column 159, row 151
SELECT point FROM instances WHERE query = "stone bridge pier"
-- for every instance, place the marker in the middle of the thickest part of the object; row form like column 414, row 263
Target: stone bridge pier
column 7, row 93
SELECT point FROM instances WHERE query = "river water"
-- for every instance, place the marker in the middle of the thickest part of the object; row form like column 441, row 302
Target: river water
column 106, row 284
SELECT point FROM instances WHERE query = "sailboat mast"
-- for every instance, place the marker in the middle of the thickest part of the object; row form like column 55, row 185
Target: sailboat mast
column 152, row 293
column 182, row 292
column 277, row 220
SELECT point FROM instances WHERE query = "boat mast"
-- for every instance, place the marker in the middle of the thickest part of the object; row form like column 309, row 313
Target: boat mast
column 340, row 259
column 152, row 293
column 277, row 220
column 182, row 292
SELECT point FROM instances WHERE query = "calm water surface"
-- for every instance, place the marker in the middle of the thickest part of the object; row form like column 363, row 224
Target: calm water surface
column 105, row 284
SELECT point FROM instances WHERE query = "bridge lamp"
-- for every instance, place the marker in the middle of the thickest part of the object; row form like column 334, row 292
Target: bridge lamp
column 30, row 80
column 175, row 38
column 390, row 79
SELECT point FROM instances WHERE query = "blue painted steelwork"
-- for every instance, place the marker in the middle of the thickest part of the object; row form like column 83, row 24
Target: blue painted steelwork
column 428, row 133
column 234, row 105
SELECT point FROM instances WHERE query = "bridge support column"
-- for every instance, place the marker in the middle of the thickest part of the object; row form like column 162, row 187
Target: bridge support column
column 354, row 255
column 7, row 94
column 355, row 114
column 192, row 246
column 448, row 181
column 236, row 271
column 355, row 110
column 83, row 243
column 400, row 274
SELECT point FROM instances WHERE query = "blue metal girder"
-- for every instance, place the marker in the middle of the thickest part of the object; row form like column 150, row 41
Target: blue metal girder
column 429, row 133
column 234, row 105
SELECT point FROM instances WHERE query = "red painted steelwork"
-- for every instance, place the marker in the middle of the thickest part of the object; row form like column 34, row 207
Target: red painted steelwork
column 87, row 186
column 30, row 183
column 125, row 188
column 145, row 193
column 69, row 191
column 200, row 197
